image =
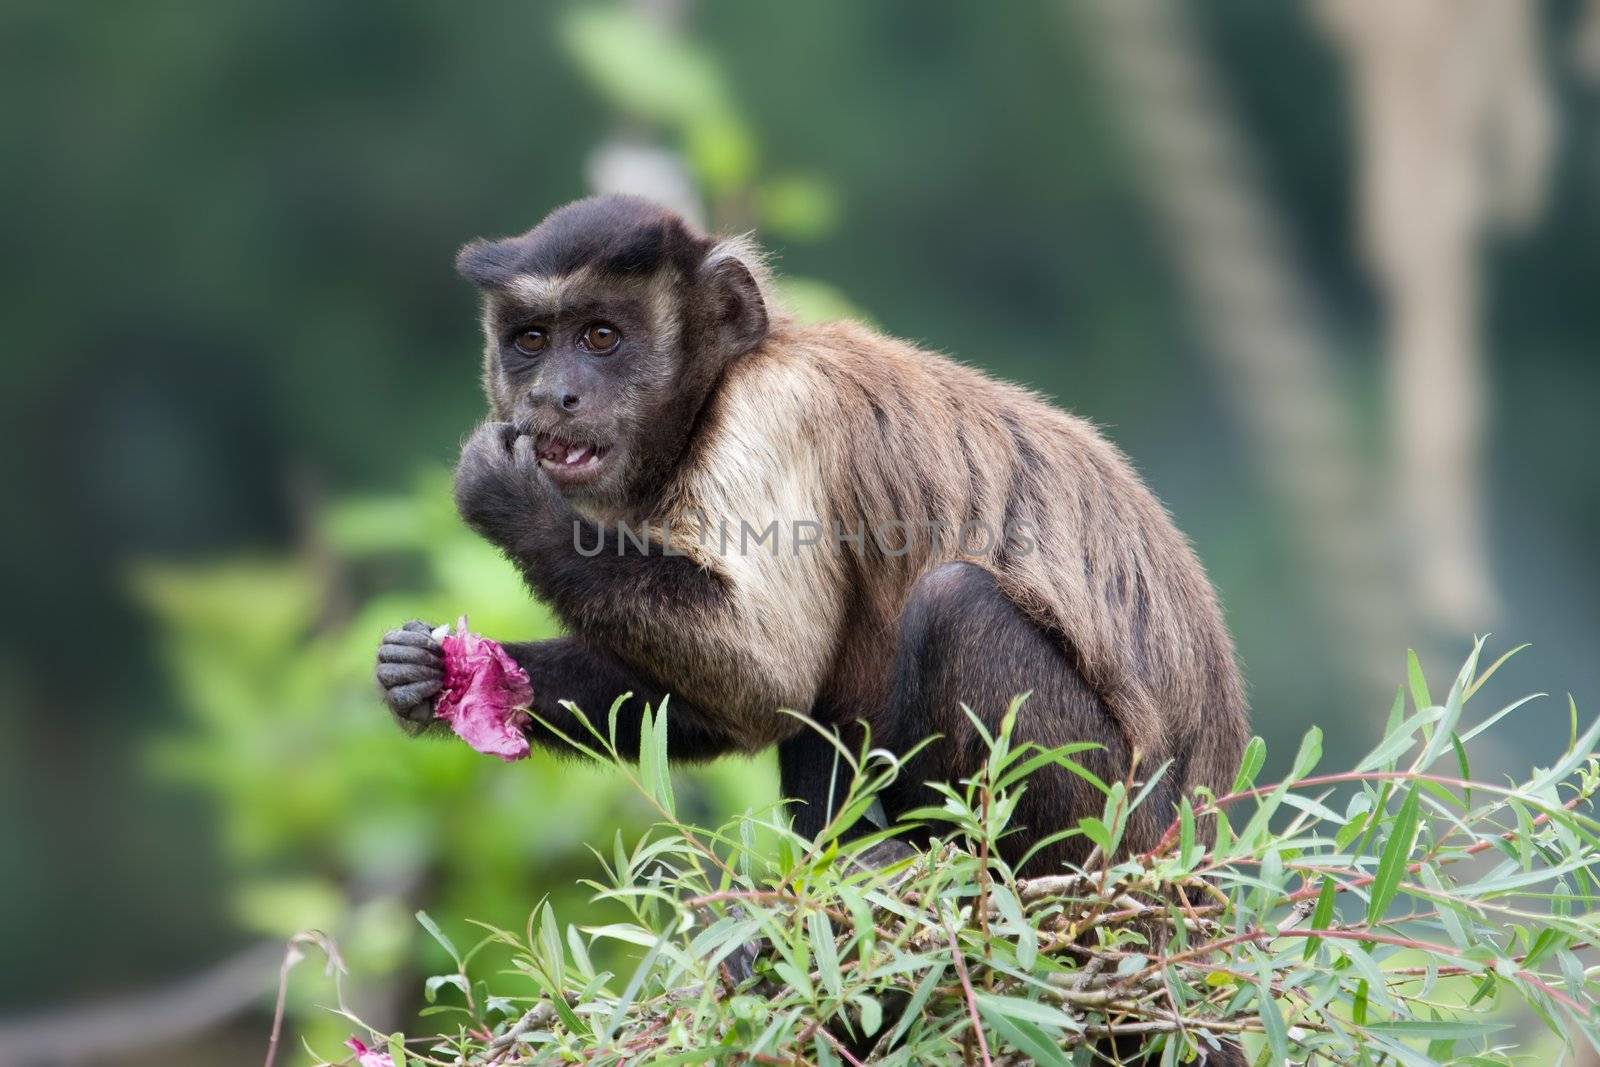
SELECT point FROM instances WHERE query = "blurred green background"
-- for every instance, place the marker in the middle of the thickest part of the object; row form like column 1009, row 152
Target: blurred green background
column 240, row 364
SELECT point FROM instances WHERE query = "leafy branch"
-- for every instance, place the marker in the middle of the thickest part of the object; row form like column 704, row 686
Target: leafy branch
column 1388, row 913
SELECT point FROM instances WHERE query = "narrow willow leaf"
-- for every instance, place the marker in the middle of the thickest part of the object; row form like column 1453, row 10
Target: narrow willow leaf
column 1323, row 914
column 611, row 718
column 1419, row 684
column 1489, row 672
column 1096, row 831
column 1255, row 757
column 824, row 951
column 1271, row 1020
column 1186, row 849
column 550, row 944
column 919, row 1000
column 1023, row 1035
column 647, row 753
column 663, row 767
column 1448, row 915
column 1418, row 1029
column 438, row 935
column 1396, row 853
column 1224, row 844
column 1497, row 716
column 1309, row 755
column 1446, row 730
column 1464, row 767
column 1397, row 711
column 1033, row 1011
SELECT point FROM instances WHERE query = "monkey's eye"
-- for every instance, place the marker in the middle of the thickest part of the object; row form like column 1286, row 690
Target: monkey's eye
column 601, row 337
column 530, row 342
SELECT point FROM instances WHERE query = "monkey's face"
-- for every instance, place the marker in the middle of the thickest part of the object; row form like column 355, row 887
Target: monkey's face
column 589, row 377
column 607, row 326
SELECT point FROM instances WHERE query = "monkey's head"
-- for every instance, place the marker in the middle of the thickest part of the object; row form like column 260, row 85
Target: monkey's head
column 607, row 326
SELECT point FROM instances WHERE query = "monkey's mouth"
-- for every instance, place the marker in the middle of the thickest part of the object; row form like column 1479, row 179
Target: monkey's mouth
column 568, row 461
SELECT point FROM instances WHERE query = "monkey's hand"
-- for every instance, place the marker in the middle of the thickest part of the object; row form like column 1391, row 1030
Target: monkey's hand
column 410, row 674
column 499, row 489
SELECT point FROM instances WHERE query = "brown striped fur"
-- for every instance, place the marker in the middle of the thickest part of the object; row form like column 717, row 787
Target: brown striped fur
column 857, row 427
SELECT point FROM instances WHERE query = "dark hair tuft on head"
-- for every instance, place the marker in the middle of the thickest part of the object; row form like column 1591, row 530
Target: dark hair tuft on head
column 624, row 235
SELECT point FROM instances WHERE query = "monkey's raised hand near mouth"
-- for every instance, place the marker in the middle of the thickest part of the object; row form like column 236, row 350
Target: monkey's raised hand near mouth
column 498, row 487
column 892, row 535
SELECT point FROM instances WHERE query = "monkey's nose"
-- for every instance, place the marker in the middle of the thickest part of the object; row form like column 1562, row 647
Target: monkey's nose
column 569, row 401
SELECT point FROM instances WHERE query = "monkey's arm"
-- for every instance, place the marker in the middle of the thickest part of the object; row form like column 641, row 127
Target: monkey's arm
column 566, row 669
column 411, row 669
column 642, row 604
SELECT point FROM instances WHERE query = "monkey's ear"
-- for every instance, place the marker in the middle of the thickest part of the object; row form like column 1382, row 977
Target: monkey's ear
column 738, row 313
column 487, row 264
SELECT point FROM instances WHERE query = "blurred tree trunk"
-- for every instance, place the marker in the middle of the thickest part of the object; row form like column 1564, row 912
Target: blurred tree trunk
column 1271, row 351
column 1455, row 135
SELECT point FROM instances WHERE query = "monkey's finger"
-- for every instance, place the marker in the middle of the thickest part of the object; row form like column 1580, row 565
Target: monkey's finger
column 417, row 626
column 393, row 674
column 413, row 638
column 426, row 657
column 414, row 700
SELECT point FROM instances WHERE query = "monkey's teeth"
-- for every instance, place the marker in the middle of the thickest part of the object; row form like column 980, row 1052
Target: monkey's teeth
column 575, row 454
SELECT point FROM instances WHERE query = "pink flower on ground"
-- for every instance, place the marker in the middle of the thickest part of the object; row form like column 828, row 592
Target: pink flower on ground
column 484, row 694
column 369, row 1057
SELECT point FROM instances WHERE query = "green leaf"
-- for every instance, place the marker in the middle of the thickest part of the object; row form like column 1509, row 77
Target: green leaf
column 824, row 951
column 550, row 943
column 1271, row 1019
column 1397, row 711
column 1186, row 849
column 1255, row 756
column 397, row 1049
column 1323, row 914
column 1309, row 755
column 1032, row 1011
column 871, row 1013
column 1023, row 1034
column 919, row 999
column 1448, row 912
column 1419, row 685
column 654, row 771
column 438, row 935
column 1489, row 673
column 1419, row 1029
column 1096, row 831
column 1396, row 854
column 1463, row 766
column 430, row 988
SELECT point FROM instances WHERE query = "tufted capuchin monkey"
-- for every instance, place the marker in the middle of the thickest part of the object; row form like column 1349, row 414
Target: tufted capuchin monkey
column 750, row 514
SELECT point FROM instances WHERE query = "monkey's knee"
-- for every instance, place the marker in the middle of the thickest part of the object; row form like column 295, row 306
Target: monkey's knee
column 950, row 614
column 943, row 602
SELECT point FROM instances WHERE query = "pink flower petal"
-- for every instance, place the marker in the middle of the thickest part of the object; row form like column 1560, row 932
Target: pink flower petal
column 369, row 1057
column 484, row 694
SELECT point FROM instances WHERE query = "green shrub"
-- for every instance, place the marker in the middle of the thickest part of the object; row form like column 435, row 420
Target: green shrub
column 1393, row 912
column 328, row 817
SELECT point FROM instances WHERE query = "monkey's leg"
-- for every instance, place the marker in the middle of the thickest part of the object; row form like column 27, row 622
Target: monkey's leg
column 962, row 641
column 814, row 778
